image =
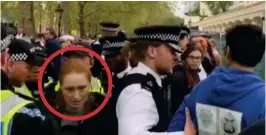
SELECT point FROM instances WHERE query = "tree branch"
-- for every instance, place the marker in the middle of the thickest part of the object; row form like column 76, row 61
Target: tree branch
column 89, row 14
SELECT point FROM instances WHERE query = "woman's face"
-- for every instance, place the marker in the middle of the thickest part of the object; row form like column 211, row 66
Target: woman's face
column 194, row 59
column 75, row 90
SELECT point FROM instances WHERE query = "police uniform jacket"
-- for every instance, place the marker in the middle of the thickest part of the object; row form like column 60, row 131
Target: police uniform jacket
column 141, row 107
column 111, row 104
column 27, row 119
column 136, row 109
column 97, row 68
column 22, row 114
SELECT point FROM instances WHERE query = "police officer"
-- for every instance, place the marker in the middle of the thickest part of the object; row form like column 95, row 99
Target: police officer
column 116, row 60
column 119, row 65
column 17, row 107
column 15, row 47
column 108, row 29
column 141, row 108
column 32, row 80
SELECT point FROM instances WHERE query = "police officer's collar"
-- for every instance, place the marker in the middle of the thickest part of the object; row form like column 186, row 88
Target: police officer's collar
column 121, row 74
column 150, row 71
column 96, row 42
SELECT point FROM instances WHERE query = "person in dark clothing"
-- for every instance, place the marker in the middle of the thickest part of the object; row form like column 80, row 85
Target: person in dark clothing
column 18, row 107
column 258, row 128
column 220, row 101
column 39, row 40
column 117, row 60
column 108, row 29
column 53, row 45
column 74, row 99
column 185, row 76
column 32, row 80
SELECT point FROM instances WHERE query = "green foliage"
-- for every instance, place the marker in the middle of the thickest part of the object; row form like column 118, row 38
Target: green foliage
column 130, row 14
column 195, row 11
column 217, row 7
column 8, row 16
column 173, row 21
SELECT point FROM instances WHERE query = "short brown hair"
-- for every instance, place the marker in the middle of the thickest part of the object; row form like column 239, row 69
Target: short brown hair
column 52, row 32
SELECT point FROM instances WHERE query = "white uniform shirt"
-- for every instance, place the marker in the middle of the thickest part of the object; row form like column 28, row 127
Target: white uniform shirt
column 136, row 110
column 202, row 73
column 19, row 36
column 121, row 74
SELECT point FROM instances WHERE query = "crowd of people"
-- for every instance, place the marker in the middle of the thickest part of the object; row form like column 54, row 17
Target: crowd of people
column 166, row 81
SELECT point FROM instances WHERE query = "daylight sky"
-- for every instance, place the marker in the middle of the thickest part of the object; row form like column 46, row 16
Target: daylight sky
column 182, row 7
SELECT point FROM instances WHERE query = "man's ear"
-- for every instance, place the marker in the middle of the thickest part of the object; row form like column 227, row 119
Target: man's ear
column 9, row 65
column 151, row 51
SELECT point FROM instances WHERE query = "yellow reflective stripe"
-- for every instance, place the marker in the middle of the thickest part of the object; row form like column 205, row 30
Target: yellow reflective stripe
column 28, row 93
column 95, row 85
column 101, row 88
column 23, row 90
column 12, row 104
column 49, row 82
column 57, row 87
column 5, row 94
column 6, row 119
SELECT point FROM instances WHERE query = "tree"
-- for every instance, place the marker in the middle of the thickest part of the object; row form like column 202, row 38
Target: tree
column 81, row 16
column 66, row 17
column 173, row 21
column 27, row 19
column 217, row 7
column 194, row 11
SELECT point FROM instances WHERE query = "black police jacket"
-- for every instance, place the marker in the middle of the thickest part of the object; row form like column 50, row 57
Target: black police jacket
column 96, row 125
column 97, row 68
column 30, row 119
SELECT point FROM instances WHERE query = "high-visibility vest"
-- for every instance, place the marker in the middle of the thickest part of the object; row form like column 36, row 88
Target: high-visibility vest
column 50, row 81
column 95, row 85
column 23, row 90
column 11, row 104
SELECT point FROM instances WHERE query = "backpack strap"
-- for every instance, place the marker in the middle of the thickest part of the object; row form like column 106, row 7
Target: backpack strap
column 147, row 82
column 124, row 82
